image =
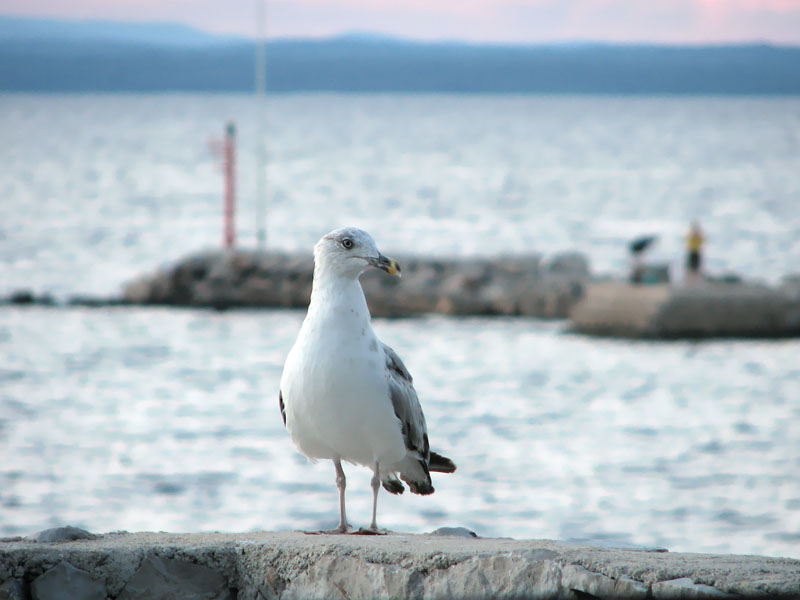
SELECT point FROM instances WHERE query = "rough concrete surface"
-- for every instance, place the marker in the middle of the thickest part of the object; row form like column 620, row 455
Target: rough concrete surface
column 702, row 310
column 267, row 566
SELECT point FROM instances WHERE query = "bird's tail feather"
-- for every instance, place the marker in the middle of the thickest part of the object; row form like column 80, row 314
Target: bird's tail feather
column 417, row 474
column 441, row 464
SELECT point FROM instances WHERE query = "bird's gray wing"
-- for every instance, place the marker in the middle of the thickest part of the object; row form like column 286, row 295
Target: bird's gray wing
column 406, row 405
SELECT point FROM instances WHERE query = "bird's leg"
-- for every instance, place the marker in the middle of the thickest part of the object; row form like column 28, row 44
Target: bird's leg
column 341, row 483
column 376, row 486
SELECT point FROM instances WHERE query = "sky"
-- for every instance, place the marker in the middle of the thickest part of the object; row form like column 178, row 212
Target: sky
column 526, row 21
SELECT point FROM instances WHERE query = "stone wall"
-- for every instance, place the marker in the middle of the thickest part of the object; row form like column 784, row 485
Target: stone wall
column 269, row 566
column 513, row 285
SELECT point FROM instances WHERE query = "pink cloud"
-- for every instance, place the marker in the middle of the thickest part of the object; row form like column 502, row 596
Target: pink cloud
column 532, row 21
column 734, row 6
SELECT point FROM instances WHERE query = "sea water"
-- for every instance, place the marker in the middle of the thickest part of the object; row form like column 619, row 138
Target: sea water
column 167, row 419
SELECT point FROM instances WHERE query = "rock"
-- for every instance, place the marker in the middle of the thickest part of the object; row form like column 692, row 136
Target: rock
column 225, row 279
column 533, row 304
column 500, row 576
column 575, row 577
column 27, row 297
column 13, row 589
column 21, row 297
column 138, row 291
column 527, row 267
column 790, row 286
column 65, row 582
column 169, row 579
column 570, row 263
column 685, row 587
column 498, row 301
column 456, row 531
column 61, row 534
column 273, row 586
column 256, row 289
column 346, row 577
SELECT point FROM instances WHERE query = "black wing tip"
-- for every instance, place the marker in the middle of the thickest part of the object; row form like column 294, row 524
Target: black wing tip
column 393, row 486
column 441, row 464
column 422, row 488
column 283, row 408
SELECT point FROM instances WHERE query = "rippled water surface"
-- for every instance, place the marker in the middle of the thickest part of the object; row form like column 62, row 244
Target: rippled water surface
column 157, row 419
column 150, row 419
column 97, row 189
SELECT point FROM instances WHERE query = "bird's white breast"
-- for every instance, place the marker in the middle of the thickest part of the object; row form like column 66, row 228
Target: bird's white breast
column 335, row 388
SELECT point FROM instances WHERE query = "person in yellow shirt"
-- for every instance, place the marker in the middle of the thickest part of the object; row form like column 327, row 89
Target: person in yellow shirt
column 694, row 247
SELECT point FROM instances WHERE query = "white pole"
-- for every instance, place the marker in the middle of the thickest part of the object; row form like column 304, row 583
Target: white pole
column 260, row 103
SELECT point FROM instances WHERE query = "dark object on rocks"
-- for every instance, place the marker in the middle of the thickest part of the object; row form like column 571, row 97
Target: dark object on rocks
column 510, row 285
column 21, row 297
column 62, row 534
column 455, row 531
column 168, row 579
column 641, row 244
column 639, row 270
column 28, row 297
column 65, row 582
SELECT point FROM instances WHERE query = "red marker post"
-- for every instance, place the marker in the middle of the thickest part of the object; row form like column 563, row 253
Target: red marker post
column 230, row 184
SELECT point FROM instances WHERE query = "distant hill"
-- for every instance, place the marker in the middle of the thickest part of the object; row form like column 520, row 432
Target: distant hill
column 64, row 56
column 32, row 30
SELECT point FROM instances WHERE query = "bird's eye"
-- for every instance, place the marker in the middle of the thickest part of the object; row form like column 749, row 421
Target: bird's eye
column 347, row 243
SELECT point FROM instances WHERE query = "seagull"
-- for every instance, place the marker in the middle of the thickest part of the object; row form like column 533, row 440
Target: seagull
column 346, row 396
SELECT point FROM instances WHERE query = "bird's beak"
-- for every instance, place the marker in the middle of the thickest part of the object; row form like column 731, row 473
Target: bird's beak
column 385, row 264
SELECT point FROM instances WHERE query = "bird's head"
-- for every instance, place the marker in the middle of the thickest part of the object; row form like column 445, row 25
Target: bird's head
column 349, row 251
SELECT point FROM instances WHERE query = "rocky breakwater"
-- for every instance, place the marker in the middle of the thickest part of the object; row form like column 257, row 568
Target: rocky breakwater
column 511, row 285
column 67, row 563
column 700, row 310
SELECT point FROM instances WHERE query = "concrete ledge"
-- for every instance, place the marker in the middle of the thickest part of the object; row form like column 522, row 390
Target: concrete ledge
column 267, row 566
column 703, row 310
